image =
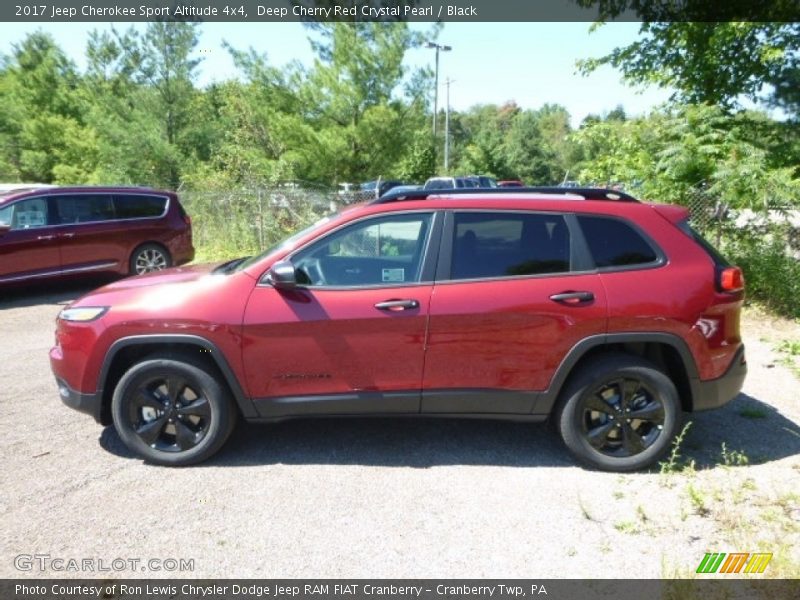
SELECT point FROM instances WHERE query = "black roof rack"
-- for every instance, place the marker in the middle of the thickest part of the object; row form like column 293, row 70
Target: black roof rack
column 587, row 193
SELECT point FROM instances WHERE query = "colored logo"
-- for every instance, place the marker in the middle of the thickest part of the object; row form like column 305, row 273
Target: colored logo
column 737, row 562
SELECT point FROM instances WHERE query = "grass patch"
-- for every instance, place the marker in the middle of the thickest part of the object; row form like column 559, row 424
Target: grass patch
column 675, row 463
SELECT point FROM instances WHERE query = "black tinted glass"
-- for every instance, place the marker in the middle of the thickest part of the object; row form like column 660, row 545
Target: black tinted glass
column 85, row 208
column 505, row 245
column 614, row 243
column 136, row 206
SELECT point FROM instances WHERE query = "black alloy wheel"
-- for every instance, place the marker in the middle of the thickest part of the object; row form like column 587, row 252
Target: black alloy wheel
column 619, row 413
column 173, row 410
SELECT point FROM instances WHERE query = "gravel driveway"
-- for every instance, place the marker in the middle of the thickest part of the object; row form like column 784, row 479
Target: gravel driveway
column 387, row 498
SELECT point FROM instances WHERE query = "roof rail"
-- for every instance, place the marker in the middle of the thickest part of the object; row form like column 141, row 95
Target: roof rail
column 588, row 193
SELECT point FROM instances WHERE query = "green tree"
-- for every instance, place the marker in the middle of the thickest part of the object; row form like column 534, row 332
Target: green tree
column 43, row 136
column 710, row 62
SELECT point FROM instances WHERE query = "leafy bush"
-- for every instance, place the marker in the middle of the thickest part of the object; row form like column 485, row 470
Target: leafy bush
column 772, row 276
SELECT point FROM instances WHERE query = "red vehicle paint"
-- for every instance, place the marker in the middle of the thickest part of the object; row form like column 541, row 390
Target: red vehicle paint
column 603, row 315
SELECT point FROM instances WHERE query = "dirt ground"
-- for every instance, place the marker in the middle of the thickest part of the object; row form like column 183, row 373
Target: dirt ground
column 390, row 498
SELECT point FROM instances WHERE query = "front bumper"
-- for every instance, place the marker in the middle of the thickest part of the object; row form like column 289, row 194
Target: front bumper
column 90, row 404
column 718, row 392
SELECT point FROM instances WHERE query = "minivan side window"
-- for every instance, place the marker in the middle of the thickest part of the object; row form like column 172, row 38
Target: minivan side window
column 84, row 208
column 614, row 243
column 138, row 206
column 503, row 244
column 26, row 214
column 378, row 251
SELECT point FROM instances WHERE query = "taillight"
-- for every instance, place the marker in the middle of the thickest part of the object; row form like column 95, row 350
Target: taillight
column 730, row 279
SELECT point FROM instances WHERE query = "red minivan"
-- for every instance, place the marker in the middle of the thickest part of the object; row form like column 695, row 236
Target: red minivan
column 48, row 231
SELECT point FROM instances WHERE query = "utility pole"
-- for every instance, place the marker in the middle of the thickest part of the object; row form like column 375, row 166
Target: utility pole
column 448, row 81
column 443, row 48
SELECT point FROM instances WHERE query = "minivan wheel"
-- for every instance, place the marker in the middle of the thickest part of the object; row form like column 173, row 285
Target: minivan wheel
column 172, row 412
column 619, row 413
column 148, row 258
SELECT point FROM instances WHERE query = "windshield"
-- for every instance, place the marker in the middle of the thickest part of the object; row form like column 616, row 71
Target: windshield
column 285, row 244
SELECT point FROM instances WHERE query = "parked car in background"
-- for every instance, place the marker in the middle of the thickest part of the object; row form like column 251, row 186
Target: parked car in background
column 483, row 181
column 399, row 189
column 607, row 316
column 448, row 183
column 381, row 186
column 66, row 231
column 510, row 183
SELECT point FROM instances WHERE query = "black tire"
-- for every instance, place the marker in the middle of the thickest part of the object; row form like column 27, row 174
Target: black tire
column 148, row 258
column 172, row 411
column 597, row 410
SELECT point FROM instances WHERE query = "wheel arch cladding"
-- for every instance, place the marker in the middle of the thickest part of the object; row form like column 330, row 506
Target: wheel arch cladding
column 126, row 352
column 666, row 351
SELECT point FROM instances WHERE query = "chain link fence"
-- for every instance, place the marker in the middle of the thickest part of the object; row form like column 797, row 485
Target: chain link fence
column 722, row 224
column 228, row 224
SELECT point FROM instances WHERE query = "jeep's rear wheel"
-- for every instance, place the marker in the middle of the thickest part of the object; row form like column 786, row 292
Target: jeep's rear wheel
column 172, row 412
column 619, row 413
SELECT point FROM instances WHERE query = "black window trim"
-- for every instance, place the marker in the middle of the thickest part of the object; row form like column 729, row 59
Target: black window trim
column 52, row 206
column 578, row 257
column 428, row 259
column 661, row 258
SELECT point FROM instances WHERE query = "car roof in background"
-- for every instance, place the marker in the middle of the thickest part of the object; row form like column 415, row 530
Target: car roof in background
column 25, row 190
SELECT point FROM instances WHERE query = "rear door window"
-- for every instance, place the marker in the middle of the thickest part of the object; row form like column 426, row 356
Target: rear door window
column 139, row 206
column 84, row 208
column 615, row 243
column 501, row 244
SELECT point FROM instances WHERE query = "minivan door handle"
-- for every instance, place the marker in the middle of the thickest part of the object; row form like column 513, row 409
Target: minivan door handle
column 572, row 297
column 396, row 305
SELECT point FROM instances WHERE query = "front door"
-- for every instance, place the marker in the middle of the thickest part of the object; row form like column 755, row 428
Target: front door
column 350, row 339
column 30, row 249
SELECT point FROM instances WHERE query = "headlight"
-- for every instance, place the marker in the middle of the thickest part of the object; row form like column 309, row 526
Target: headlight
column 83, row 314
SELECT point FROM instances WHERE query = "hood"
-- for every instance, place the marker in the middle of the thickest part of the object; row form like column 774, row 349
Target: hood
column 159, row 291
column 167, row 276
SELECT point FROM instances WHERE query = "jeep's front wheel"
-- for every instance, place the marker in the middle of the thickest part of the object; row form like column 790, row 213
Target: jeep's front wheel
column 619, row 413
column 172, row 411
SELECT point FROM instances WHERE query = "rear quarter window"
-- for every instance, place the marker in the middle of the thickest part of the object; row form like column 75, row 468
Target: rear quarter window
column 615, row 243
column 718, row 259
column 138, row 206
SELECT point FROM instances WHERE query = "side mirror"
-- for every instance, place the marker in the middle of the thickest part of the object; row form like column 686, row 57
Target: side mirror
column 4, row 229
column 282, row 275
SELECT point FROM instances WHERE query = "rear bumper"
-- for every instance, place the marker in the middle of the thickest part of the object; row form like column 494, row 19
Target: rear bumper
column 718, row 392
column 90, row 404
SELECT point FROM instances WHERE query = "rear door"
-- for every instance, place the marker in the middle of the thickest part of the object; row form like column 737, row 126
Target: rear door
column 514, row 292
column 30, row 249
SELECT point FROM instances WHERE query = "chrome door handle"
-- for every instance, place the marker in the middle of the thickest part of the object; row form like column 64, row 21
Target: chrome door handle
column 67, row 235
column 396, row 305
column 43, row 238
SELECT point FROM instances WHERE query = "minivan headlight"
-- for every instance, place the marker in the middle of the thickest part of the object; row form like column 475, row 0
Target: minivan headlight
column 83, row 314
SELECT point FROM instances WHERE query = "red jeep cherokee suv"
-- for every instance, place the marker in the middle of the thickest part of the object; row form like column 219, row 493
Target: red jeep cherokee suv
column 584, row 306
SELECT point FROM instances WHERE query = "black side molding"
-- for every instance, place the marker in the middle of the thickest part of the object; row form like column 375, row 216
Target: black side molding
column 202, row 344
